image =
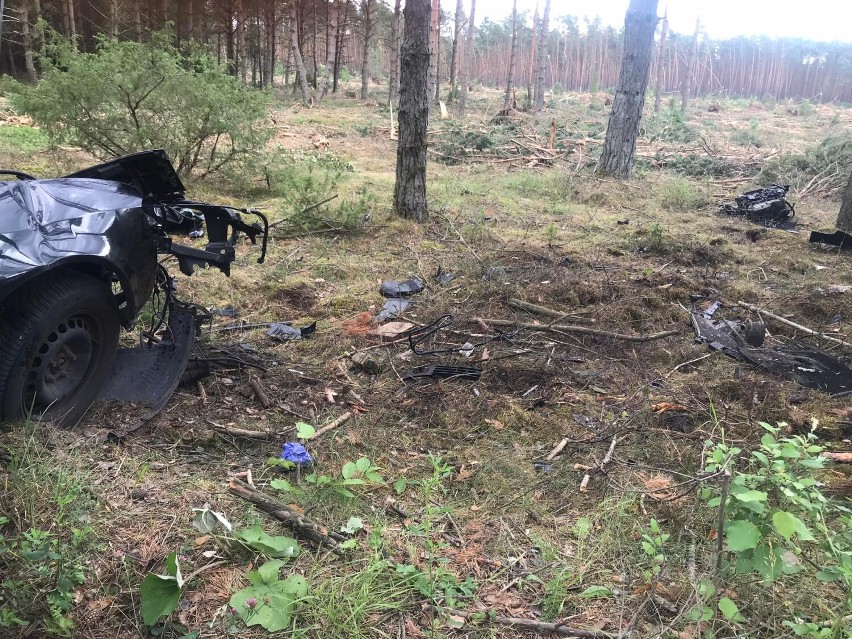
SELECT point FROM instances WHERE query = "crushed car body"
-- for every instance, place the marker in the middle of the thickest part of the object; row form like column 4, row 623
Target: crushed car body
column 78, row 261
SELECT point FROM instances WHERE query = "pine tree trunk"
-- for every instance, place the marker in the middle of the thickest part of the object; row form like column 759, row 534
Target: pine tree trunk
column 455, row 53
column 844, row 218
column 438, row 57
column 686, row 85
column 367, row 9
column 658, row 83
column 241, row 40
column 340, row 38
column 541, row 70
column 410, row 190
column 137, row 19
column 623, row 127
column 396, row 40
column 301, row 77
column 433, row 47
column 509, row 101
column 72, row 23
column 531, row 66
column 467, row 65
column 29, row 55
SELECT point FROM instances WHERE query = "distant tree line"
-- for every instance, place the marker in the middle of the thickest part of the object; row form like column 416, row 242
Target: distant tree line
column 312, row 44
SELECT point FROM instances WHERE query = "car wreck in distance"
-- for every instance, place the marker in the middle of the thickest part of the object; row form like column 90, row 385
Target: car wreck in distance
column 79, row 261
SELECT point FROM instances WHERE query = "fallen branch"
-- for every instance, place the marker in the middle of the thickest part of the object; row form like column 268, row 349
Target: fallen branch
column 306, row 210
column 260, row 392
column 601, row 467
column 332, row 425
column 804, row 329
column 530, row 625
column 301, row 525
column 242, row 432
column 543, row 310
column 566, row 328
column 559, row 448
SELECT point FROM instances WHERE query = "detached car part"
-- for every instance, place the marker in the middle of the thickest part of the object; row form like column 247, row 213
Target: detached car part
column 767, row 206
column 78, row 261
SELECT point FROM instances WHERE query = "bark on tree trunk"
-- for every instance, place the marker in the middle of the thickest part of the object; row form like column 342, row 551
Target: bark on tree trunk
column 467, row 65
column 623, row 127
column 301, row 78
column 137, row 19
column 433, row 47
column 438, row 57
column 241, row 40
column 455, row 53
column 658, row 84
column 509, row 101
column 396, row 33
column 367, row 9
column 339, row 39
column 531, row 66
column 28, row 45
column 690, row 61
column 844, row 218
column 410, row 191
column 541, row 70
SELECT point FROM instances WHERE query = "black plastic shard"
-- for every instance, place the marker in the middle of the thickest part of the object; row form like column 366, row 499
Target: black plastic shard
column 393, row 307
column 402, row 289
column 804, row 364
column 838, row 238
column 444, row 372
column 287, row 332
column 767, row 206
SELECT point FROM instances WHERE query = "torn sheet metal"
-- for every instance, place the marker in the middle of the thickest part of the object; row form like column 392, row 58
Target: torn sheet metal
column 767, row 206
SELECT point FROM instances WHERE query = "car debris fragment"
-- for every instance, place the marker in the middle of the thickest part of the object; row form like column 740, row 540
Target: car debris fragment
column 840, row 239
column 767, row 206
column 807, row 365
column 285, row 331
column 405, row 288
column 443, row 372
column 78, row 261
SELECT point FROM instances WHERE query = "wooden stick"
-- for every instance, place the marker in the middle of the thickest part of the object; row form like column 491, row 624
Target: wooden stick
column 261, row 394
column 601, row 467
column 241, row 432
column 543, row 310
column 301, row 525
column 565, row 328
column 332, row 425
column 530, row 625
column 559, row 448
column 552, row 139
column 804, row 329
column 843, row 458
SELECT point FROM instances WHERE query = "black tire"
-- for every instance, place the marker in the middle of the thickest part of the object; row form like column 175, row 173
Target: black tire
column 755, row 333
column 58, row 339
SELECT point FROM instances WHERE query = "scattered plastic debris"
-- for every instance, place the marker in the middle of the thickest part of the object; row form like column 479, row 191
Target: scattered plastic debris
column 225, row 311
column 402, row 289
column 804, row 364
column 296, row 453
column 284, row 331
column 767, row 206
column 444, row 372
column 393, row 308
column 841, row 239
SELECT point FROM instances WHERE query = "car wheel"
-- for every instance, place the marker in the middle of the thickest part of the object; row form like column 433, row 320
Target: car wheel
column 58, row 339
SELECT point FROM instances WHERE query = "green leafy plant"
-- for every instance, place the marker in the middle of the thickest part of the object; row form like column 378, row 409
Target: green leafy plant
column 778, row 523
column 358, row 473
column 277, row 546
column 128, row 96
column 161, row 593
column 269, row 601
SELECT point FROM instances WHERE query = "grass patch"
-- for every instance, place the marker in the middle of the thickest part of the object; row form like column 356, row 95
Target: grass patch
column 22, row 140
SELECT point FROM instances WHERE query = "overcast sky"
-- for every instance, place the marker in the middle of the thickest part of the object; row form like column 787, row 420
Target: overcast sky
column 808, row 19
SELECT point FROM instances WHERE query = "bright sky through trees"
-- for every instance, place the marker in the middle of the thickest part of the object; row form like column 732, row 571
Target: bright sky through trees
column 825, row 20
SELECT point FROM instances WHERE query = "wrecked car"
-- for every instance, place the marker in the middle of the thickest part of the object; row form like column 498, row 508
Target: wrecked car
column 79, row 261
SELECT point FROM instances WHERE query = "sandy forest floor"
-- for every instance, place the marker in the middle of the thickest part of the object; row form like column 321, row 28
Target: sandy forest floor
column 477, row 508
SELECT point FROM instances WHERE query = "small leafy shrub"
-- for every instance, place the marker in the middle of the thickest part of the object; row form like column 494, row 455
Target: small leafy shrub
column 693, row 165
column 557, row 89
column 747, row 138
column 457, row 144
column 780, row 526
column 682, row 196
column 269, row 602
column 160, row 594
column 126, row 97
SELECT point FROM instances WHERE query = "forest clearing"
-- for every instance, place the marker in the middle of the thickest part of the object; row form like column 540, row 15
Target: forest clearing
column 497, row 422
